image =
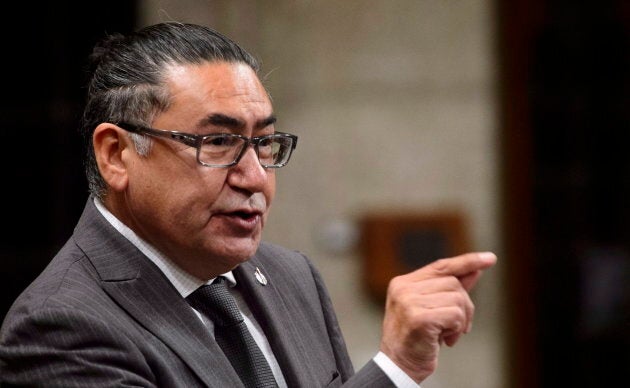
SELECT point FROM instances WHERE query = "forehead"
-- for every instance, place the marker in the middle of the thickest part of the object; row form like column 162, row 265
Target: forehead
column 201, row 90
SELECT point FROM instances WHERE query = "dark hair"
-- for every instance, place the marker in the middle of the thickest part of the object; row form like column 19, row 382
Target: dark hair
column 126, row 77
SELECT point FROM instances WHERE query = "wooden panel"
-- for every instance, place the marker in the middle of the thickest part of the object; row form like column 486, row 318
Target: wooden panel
column 396, row 243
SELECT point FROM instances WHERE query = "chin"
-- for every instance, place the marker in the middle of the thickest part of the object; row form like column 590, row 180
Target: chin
column 240, row 253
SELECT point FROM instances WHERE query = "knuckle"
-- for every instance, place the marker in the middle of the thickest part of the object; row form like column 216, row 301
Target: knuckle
column 441, row 265
column 397, row 284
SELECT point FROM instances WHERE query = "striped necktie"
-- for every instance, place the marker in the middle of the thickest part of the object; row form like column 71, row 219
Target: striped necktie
column 215, row 301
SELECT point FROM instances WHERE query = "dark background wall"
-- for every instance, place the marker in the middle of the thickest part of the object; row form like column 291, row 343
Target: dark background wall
column 43, row 48
column 565, row 108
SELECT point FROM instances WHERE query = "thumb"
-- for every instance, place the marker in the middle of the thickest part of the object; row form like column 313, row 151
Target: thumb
column 469, row 280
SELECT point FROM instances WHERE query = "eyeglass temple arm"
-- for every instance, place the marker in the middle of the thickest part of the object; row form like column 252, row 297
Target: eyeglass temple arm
column 188, row 139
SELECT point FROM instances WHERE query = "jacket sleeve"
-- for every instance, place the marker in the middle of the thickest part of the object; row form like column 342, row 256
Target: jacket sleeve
column 371, row 375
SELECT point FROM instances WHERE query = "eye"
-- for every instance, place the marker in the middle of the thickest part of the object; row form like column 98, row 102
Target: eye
column 221, row 141
column 266, row 142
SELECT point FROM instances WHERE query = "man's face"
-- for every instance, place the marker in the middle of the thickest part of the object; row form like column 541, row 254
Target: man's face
column 208, row 220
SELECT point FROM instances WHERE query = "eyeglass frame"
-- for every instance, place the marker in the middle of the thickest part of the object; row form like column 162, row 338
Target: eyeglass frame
column 196, row 141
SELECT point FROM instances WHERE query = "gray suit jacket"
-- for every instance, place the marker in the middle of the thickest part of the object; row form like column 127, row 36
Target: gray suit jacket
column 102, row 314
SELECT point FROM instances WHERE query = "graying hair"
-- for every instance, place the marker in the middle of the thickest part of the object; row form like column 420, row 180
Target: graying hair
column 127, row 82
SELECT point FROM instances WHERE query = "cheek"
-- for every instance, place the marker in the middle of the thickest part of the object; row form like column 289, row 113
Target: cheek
column 270, row 190
column 178, row 191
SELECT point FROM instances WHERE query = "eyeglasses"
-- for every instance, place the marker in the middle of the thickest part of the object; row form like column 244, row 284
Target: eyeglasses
column 227, row 149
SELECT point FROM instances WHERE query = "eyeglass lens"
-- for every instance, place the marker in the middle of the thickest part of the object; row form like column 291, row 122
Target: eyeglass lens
column 225, row 150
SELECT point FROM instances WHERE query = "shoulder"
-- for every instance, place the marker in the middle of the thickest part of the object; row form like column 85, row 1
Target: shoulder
column 293, row 273
column 69, row 282
column 281, row 260
column 267, row 248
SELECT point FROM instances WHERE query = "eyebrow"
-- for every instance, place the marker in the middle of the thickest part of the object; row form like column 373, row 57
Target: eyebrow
column 222, row 120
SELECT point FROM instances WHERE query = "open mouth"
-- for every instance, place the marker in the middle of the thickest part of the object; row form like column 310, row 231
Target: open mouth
column 245, row 215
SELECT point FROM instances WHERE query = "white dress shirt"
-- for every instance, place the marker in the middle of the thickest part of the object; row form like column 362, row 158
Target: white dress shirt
column 186, row 284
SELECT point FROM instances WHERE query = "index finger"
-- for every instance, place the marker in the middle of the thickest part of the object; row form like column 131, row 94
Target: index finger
column 458, row 266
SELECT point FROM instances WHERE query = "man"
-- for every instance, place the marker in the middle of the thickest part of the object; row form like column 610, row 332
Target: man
column 182, row 152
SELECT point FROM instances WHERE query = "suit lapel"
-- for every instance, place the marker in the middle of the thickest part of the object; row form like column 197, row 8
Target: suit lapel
column 289, row 345
column 141, row 289
column 166, row 314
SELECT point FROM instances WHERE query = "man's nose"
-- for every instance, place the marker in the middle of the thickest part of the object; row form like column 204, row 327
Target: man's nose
column 248, row 173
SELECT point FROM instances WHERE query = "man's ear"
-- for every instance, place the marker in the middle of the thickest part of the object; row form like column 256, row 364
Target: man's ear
column 110, row 142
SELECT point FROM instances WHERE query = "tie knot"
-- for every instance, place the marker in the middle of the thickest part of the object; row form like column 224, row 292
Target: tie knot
column 217, row 303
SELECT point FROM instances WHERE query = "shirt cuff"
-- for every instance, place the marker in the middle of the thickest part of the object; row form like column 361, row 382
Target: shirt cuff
column 393, row 371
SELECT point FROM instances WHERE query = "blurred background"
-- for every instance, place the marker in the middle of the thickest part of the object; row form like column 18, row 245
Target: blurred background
column 426, row 128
